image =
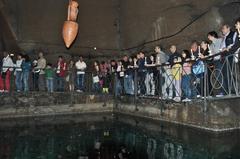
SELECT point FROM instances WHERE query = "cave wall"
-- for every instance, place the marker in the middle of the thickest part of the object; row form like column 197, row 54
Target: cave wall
column 176, row 22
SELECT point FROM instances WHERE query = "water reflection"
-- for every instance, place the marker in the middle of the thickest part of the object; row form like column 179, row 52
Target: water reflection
column 106, row 137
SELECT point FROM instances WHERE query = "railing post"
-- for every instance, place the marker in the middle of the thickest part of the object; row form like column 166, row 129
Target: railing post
column 135, row 88
column 205, row 85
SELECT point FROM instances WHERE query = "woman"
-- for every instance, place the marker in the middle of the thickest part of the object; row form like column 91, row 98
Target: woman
column 71, row 75
column 26, row 68
column 205, row 52
column 96, row 81
column 104, row 74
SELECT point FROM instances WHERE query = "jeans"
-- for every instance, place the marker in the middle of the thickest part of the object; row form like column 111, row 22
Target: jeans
column 35, row 77
column 178, row 89
column 141, row 78
column 186, row 86
column 80, row 81
column 25, row 81
column 167, row 87
column 19, row 80
column 119, row 88
column 60, row 83
column 128, row 84
column 150, row 84
column 49, row 82
column 96, row 87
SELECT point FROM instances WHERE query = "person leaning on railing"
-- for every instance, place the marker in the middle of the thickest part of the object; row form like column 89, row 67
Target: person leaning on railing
column 204, row 55
column 175, row 77
column 215, row 48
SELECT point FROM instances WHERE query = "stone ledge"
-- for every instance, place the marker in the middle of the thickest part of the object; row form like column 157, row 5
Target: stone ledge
column 221, row 115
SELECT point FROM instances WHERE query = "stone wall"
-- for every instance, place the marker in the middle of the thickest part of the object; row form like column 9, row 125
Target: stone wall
column 46, row 104
column 221, row 114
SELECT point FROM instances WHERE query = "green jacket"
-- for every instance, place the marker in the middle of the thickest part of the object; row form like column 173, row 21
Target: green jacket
column 49, row 73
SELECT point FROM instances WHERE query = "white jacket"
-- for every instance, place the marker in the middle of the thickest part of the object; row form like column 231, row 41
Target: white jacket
column 81, row 67
column 7, row 64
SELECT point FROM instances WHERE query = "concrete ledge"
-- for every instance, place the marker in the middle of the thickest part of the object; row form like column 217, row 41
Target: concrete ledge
column 221, row 115
column 45, row 104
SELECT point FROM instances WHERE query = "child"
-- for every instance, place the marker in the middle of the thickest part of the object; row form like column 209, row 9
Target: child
column 186, row 75
column 49, row 77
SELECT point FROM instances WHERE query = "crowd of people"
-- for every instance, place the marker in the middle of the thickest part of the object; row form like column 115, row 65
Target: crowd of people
column 174, row 75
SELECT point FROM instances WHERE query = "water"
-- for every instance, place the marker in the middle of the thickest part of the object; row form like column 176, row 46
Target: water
column 105, row 136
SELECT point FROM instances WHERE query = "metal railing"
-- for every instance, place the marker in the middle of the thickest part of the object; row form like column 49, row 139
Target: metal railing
column 201, row 79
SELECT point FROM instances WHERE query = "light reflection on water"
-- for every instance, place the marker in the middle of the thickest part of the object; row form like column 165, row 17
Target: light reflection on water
column 107, row 137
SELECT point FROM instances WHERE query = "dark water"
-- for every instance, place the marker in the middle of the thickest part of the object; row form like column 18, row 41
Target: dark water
column 106, row 137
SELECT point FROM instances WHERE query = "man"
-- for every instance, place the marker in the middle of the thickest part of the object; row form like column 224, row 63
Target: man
column 215, row 49
column 229, row 37
column 227, row 43
column 128, row 77
column 7, row 67
column 235, row 49
column 194, row 49
column 236, row 45
column 41, row 66
column 81, row 67
column 164, row 72
column 141, row 72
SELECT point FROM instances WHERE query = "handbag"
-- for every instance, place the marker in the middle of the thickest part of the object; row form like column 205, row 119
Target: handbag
column 95, row 79
column 198, row 67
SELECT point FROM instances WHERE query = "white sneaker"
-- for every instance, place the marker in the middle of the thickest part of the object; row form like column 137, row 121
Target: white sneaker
column 186, row 100
column 1, row 91
column 78, row 91
column 198, row 96
column 219, row 95
column 177, row 99
column 170, row 98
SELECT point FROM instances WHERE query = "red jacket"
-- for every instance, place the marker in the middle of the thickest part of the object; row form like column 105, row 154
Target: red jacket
column 61, row 68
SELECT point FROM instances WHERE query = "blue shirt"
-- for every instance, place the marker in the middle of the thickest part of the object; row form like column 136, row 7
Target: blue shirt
column 26, row 66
